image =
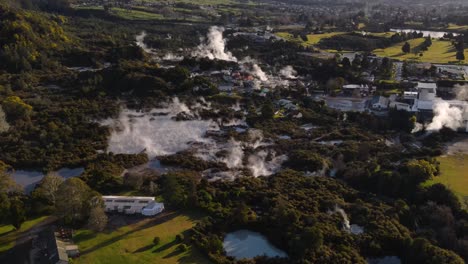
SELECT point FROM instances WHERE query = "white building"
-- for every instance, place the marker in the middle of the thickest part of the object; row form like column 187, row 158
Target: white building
column 132, row 205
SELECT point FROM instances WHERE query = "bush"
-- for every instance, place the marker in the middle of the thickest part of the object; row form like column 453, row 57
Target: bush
column 182, row 247
column 180, row 238
column 156, row 240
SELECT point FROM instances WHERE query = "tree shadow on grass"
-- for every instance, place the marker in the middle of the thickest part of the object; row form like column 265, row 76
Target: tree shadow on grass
column 165, row 247
column 173, row 253
column 164, row 217
column 84, row 236
column 143, row 249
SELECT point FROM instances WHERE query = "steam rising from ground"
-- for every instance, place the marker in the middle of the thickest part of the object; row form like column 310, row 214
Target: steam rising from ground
column 347, row 226
column 140, row 38
column 260, row 161
column 214, row 46
column 446, row 115
column 171, row 57
column 156, row 132
column 461, row 92
column 289, row 72
column 450, row 114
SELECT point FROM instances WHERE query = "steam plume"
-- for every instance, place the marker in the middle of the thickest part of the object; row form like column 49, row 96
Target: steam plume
column 214, row 46
column 156, row 132
column 140, row 38
column 461, row 92
column 446, row 115
column 288, row 72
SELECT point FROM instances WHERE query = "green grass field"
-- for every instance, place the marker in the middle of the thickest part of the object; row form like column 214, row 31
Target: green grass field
column 8, row 234
column 133, row 243
column 454, row 174
column 395, row 51
column 439, row 52
column 313, row 39
column 452, row 26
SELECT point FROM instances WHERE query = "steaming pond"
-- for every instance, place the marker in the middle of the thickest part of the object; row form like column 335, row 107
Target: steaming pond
column 243, row 244
column 426, row 33
column 29, row 179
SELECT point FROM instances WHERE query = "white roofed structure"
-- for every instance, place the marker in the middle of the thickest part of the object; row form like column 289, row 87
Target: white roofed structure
column 132, row 205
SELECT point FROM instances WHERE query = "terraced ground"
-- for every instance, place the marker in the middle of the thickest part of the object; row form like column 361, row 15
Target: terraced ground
column 454, row 175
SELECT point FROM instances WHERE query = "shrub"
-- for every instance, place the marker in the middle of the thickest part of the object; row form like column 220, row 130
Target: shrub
column 182, row 247
column 156, row 240
column 180, row 238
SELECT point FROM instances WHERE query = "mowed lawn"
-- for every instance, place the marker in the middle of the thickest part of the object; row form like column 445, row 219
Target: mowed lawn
column 440, row 51
column 134, row 243
column 8, row 234
column 312, row 39
column 454, row 174
column 395, row 51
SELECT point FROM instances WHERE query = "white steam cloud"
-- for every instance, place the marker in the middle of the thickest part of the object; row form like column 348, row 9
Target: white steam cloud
column 446, row 115
column 288, row 72
column 261, row 162
column 156, row 132
column 171, row 57
column 140, row 42
column 251, row 66
column 347, row 226
column 461, row 91
column 265, row 163
column 214, row 46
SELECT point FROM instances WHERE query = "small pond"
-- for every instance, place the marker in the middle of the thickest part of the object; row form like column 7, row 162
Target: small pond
column 29, row 179
column 247, row 244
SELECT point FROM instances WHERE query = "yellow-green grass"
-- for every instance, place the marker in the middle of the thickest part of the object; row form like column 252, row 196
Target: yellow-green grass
column 396, row 52
column 440, row 51
column 129, row 14
column 136, row 14
column 452, row 26
column 134, row 243
column 8, row 234
column 381, row 34
column 453, row 174
column 312, row 39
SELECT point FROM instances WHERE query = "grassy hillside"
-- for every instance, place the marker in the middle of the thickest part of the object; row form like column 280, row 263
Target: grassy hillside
column 440, row 51
column 312, row 39
column 454, row 174
column 134, row 243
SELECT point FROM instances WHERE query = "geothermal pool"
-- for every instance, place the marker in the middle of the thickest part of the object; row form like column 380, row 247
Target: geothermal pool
column 247, row 244
column 29, row 179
